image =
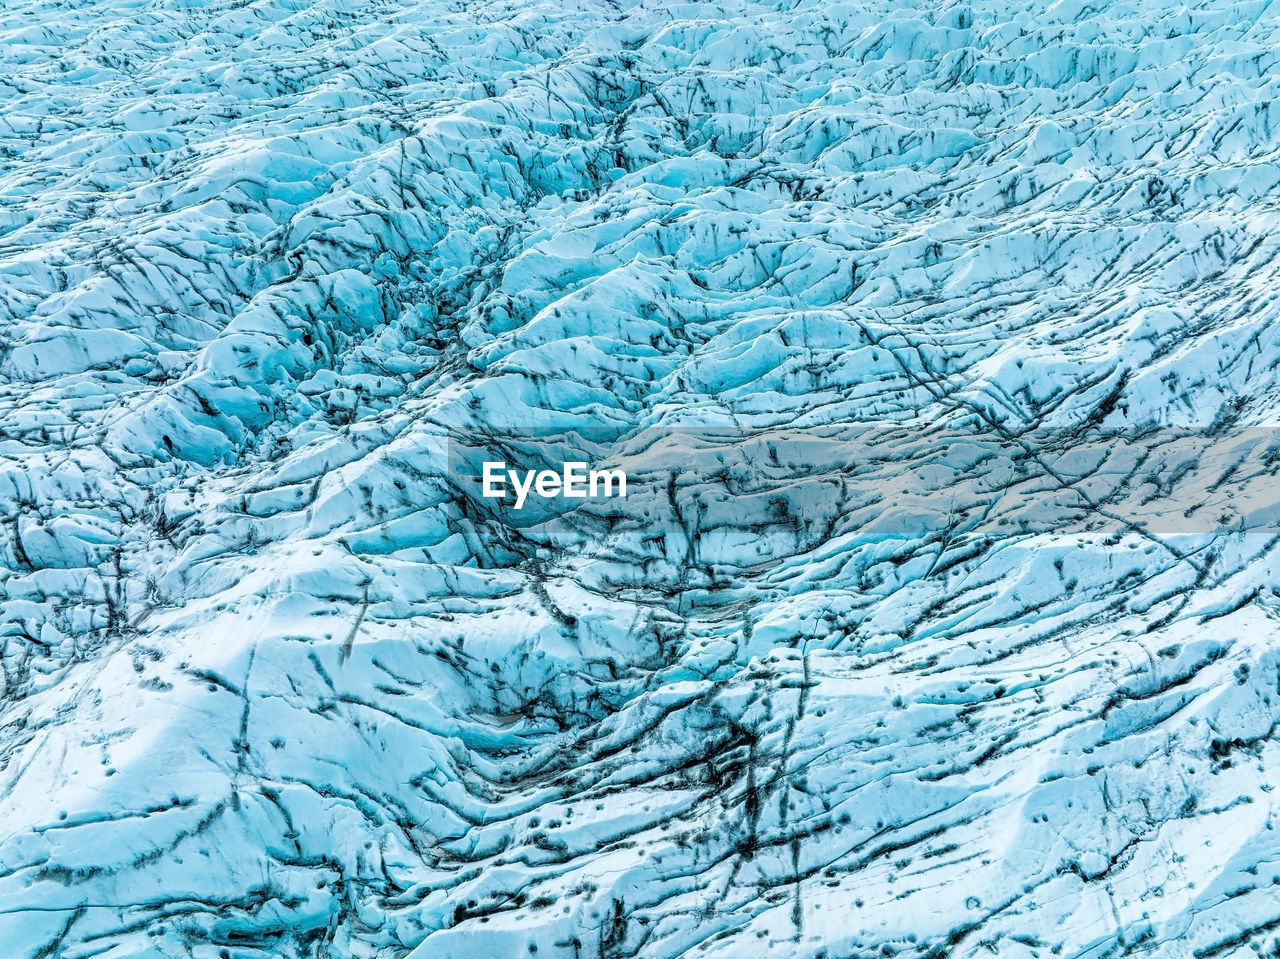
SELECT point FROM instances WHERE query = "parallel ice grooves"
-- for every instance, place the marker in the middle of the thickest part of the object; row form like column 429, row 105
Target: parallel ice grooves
column 275, row 683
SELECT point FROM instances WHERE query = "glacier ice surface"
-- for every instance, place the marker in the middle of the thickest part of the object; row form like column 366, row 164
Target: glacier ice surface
column 275, row 683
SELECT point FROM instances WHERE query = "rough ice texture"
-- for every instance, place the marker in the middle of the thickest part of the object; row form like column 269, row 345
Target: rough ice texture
column 276, row 684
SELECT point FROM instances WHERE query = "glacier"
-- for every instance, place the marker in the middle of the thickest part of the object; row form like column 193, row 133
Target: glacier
column 940, row 618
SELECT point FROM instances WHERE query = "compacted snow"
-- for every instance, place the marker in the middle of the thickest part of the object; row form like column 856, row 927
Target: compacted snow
column 939, row 344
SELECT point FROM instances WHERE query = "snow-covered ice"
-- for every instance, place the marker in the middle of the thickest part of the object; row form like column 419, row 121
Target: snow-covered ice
column 941, row 617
